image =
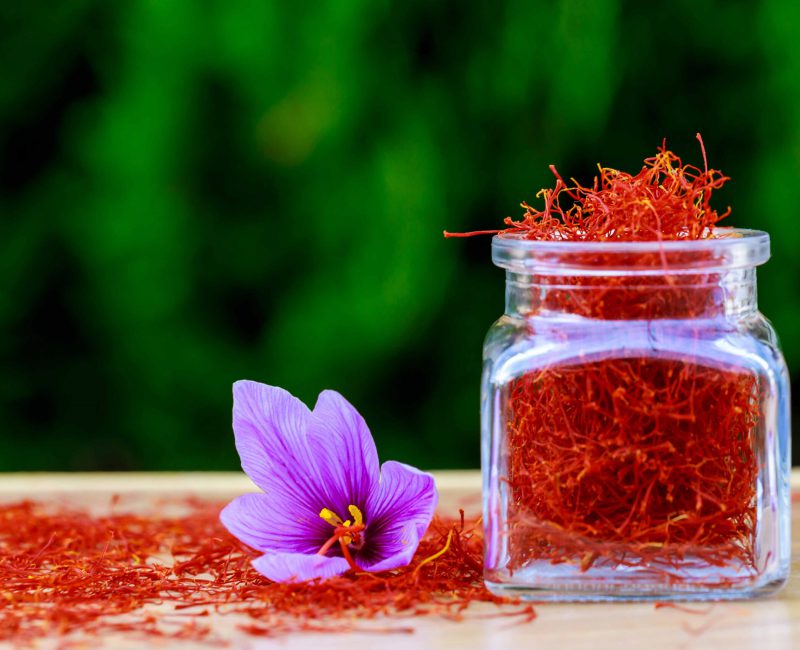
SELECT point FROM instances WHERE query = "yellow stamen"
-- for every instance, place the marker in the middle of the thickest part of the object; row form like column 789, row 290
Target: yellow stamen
column 357, row 516
column 331, row 517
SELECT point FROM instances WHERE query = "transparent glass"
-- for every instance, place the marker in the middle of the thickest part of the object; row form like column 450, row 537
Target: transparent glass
column 635, row 423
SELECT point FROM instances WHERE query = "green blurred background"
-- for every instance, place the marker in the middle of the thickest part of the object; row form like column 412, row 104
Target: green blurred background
column 197, row 192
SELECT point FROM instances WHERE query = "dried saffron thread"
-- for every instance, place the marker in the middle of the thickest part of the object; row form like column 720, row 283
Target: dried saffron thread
column 63, row 571
column 666, row 200
column 634, row 460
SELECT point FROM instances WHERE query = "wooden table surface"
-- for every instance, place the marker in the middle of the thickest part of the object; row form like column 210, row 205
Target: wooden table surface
column 762, row 624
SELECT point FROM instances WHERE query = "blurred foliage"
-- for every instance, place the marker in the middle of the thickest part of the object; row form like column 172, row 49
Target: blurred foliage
column 195, row 192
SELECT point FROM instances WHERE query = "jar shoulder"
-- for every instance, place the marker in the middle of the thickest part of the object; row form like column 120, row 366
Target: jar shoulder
column 760, row 328
column 514, row 345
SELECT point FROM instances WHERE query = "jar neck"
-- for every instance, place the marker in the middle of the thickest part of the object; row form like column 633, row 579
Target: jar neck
column 724, row 294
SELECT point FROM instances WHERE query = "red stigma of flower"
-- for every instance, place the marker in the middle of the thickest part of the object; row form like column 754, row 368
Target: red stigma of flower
column 346, row 533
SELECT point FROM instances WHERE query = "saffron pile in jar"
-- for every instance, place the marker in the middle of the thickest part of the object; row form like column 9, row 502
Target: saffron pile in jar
column 64, row 571
column 634, row 403
column 652, row 457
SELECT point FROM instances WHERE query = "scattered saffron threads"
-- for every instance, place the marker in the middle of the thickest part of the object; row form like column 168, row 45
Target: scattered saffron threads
column 64, row 571
column 436, row 555
column 702, row 611
column 639, row 459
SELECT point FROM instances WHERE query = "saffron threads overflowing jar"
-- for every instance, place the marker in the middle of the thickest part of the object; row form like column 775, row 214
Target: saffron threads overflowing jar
column 635, row 403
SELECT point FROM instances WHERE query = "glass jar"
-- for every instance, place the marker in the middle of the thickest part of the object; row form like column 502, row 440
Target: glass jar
column 635, row 423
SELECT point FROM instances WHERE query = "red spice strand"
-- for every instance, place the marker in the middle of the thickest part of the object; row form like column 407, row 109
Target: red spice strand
column 65, row 571
column 703, row 611
column 665, row 200
column 469, row 234
column 641, row 462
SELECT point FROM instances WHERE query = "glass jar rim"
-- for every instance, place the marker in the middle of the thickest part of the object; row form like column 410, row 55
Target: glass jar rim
column 726, row 249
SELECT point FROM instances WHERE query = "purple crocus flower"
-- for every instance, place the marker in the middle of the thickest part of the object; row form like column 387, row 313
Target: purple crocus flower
column 326, row 506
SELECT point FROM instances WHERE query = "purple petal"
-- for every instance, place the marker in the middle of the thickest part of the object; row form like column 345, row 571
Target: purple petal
column 397, row 515
column 397, row 552
column 269, row 425
column 260, row 522
column 298, row 567
column 344, row 451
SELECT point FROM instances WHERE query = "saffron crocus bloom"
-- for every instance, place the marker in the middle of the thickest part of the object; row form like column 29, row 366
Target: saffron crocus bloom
column 327, row 506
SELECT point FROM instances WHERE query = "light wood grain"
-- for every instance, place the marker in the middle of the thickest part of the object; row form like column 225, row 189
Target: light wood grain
column 772, row 623
column 164, row 483
column 201, row 483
